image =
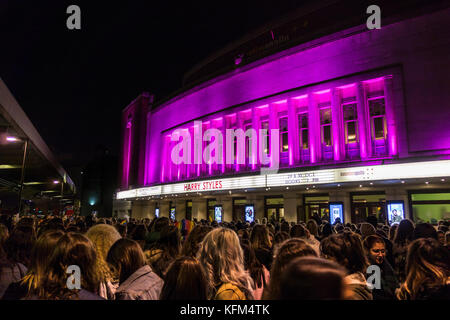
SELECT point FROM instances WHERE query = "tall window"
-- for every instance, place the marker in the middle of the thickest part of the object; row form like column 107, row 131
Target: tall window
column 265, row 125
column 377, row 118
column 350, row 123
column 284, row 140
column 303, row 131
column 325, row 124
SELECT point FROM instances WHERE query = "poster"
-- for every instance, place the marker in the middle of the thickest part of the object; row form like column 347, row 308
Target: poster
column 249, row 213
column 172, row 214
column 336, row 212
column 218, row 213
column 396, row 211
column 157, row 212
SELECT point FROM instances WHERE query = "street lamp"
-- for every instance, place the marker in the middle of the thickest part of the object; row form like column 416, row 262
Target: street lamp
column 24, row 157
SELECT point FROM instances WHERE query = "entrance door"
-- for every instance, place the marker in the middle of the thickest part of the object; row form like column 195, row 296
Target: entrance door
column 364, row 205
column 276, row 212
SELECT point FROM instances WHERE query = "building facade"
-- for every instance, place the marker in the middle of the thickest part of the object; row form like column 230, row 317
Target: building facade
column 363, row 118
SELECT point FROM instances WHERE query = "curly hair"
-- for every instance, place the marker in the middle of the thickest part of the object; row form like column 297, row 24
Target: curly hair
column 103, row 236
column 223, row 259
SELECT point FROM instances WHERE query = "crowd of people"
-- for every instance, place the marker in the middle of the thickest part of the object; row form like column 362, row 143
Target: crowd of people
column 159, row 259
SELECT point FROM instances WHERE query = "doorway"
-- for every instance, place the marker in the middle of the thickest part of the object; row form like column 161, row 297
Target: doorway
column 274, row 208
column 365, row 204
column 317, row 205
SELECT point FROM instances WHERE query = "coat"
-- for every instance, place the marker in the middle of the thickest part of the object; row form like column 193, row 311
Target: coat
column 358, row 286
column 144, row 284
column 9, row 273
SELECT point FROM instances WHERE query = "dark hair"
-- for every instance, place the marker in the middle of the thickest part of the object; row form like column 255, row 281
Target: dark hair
column 259, row 237
column 192, row 242
column 346, row 249
column 252, row 265
column 185, row 280
column 312, row 227
column 286, row 252
column 285, row 226
column 19, row 244
column 139, row 233
column 299, row 231
column 125, row 257
column 166, row 249
column 280, row 237
column 71, row 249
column 404, row 233
column 369, row 241
column 424, row 230
column 311, row 278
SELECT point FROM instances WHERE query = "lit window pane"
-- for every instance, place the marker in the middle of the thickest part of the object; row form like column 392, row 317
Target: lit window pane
column 378, row 127
column 283, row 124
column 284, row 142
column 376, row 107
column 325, row 116
column 351, row 132
column 305, row 138
column 349, row 111
column 327, row 135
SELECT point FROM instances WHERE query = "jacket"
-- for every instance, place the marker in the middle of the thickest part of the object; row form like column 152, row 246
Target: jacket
column 389, row 283
column 356, row 282
column 9, row 273
column 144, row 284
column 228, row 291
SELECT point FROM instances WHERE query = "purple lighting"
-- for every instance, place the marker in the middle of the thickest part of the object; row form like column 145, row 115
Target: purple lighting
column 12, row 139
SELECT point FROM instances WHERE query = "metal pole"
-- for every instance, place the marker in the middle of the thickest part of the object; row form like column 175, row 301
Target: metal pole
column 22, row 174
column 62, row 196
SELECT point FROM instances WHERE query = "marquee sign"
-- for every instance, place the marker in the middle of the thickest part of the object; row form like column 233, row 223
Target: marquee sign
column 411, row 170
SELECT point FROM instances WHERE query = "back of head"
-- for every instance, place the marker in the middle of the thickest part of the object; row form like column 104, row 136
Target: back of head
column 71, row 249
column 299, row 231
column 427, row 266
column 347, row 250
column 185, row 280
column 285, row 226
column 404, row 232
column 259, row 237
column 327, row 230
column 280, row 237
column 103, row 237
column 126, row 257
column 424, row 230
column 19, row 244
column 312, row 227
column 195, row 237
column 311, row 278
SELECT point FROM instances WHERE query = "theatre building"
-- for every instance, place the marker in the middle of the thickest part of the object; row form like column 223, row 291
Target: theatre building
column 363, row 118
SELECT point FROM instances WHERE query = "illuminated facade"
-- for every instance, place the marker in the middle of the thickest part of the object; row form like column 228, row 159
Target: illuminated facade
column 356, row 98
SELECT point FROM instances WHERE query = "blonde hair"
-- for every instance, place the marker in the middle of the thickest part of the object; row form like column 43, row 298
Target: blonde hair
column 103, row 236
column 223, row 259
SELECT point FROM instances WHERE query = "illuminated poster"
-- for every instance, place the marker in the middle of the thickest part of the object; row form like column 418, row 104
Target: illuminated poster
column 218, row 210
column 336, row 212
column 249, row 213
column 396, row 211
column 157, row 212
column 172, row 214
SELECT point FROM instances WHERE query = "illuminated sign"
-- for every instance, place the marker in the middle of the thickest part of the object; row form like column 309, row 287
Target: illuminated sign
column 336, row 212
column 412, row 170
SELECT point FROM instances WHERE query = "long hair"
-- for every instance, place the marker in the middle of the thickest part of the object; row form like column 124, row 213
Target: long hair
column 40, row 255
column 312, row 227
column 125, row 257
column 286, row 252
column 103, row 236
column 346, row 249
column 195, row 237
column 19, row 245
column 260, row 238
column 185, row 280
column 71, row 249
column 404, row 233
column 252, row 265
column 221, row 255
column 427, row 266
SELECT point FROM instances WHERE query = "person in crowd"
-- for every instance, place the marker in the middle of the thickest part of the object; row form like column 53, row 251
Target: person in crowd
column 286, row 252
column 346, row 249
column 40, row 257
column 139, row 234
column 256, row 269
column 103, row 236
column 284, row 226
column 327, row 230
column 137, row 280
column 223, row 259
column 392, row 231
column 262, row 245
column 185, row 280
column 299, row 231
column 4, row 234
column 71, row 249
column 313, row 228
column 165, row 250
column 192, row 242
column 279, row 238
column 424, row 230
column 427, row 271
column 403, row 237
column 447, row 239
column 312, row 278
column 376, row 252
column 122, row 229
column 154, row 231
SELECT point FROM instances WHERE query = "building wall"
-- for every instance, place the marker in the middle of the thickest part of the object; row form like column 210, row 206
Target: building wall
column 405, row 44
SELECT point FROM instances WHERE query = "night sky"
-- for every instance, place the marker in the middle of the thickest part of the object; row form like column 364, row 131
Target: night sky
column 73, row 84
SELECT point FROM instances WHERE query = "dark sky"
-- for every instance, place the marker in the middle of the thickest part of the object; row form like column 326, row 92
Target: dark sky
column 74, row 84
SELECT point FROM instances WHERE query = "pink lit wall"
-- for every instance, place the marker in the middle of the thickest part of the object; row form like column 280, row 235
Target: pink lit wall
column 417, row 92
